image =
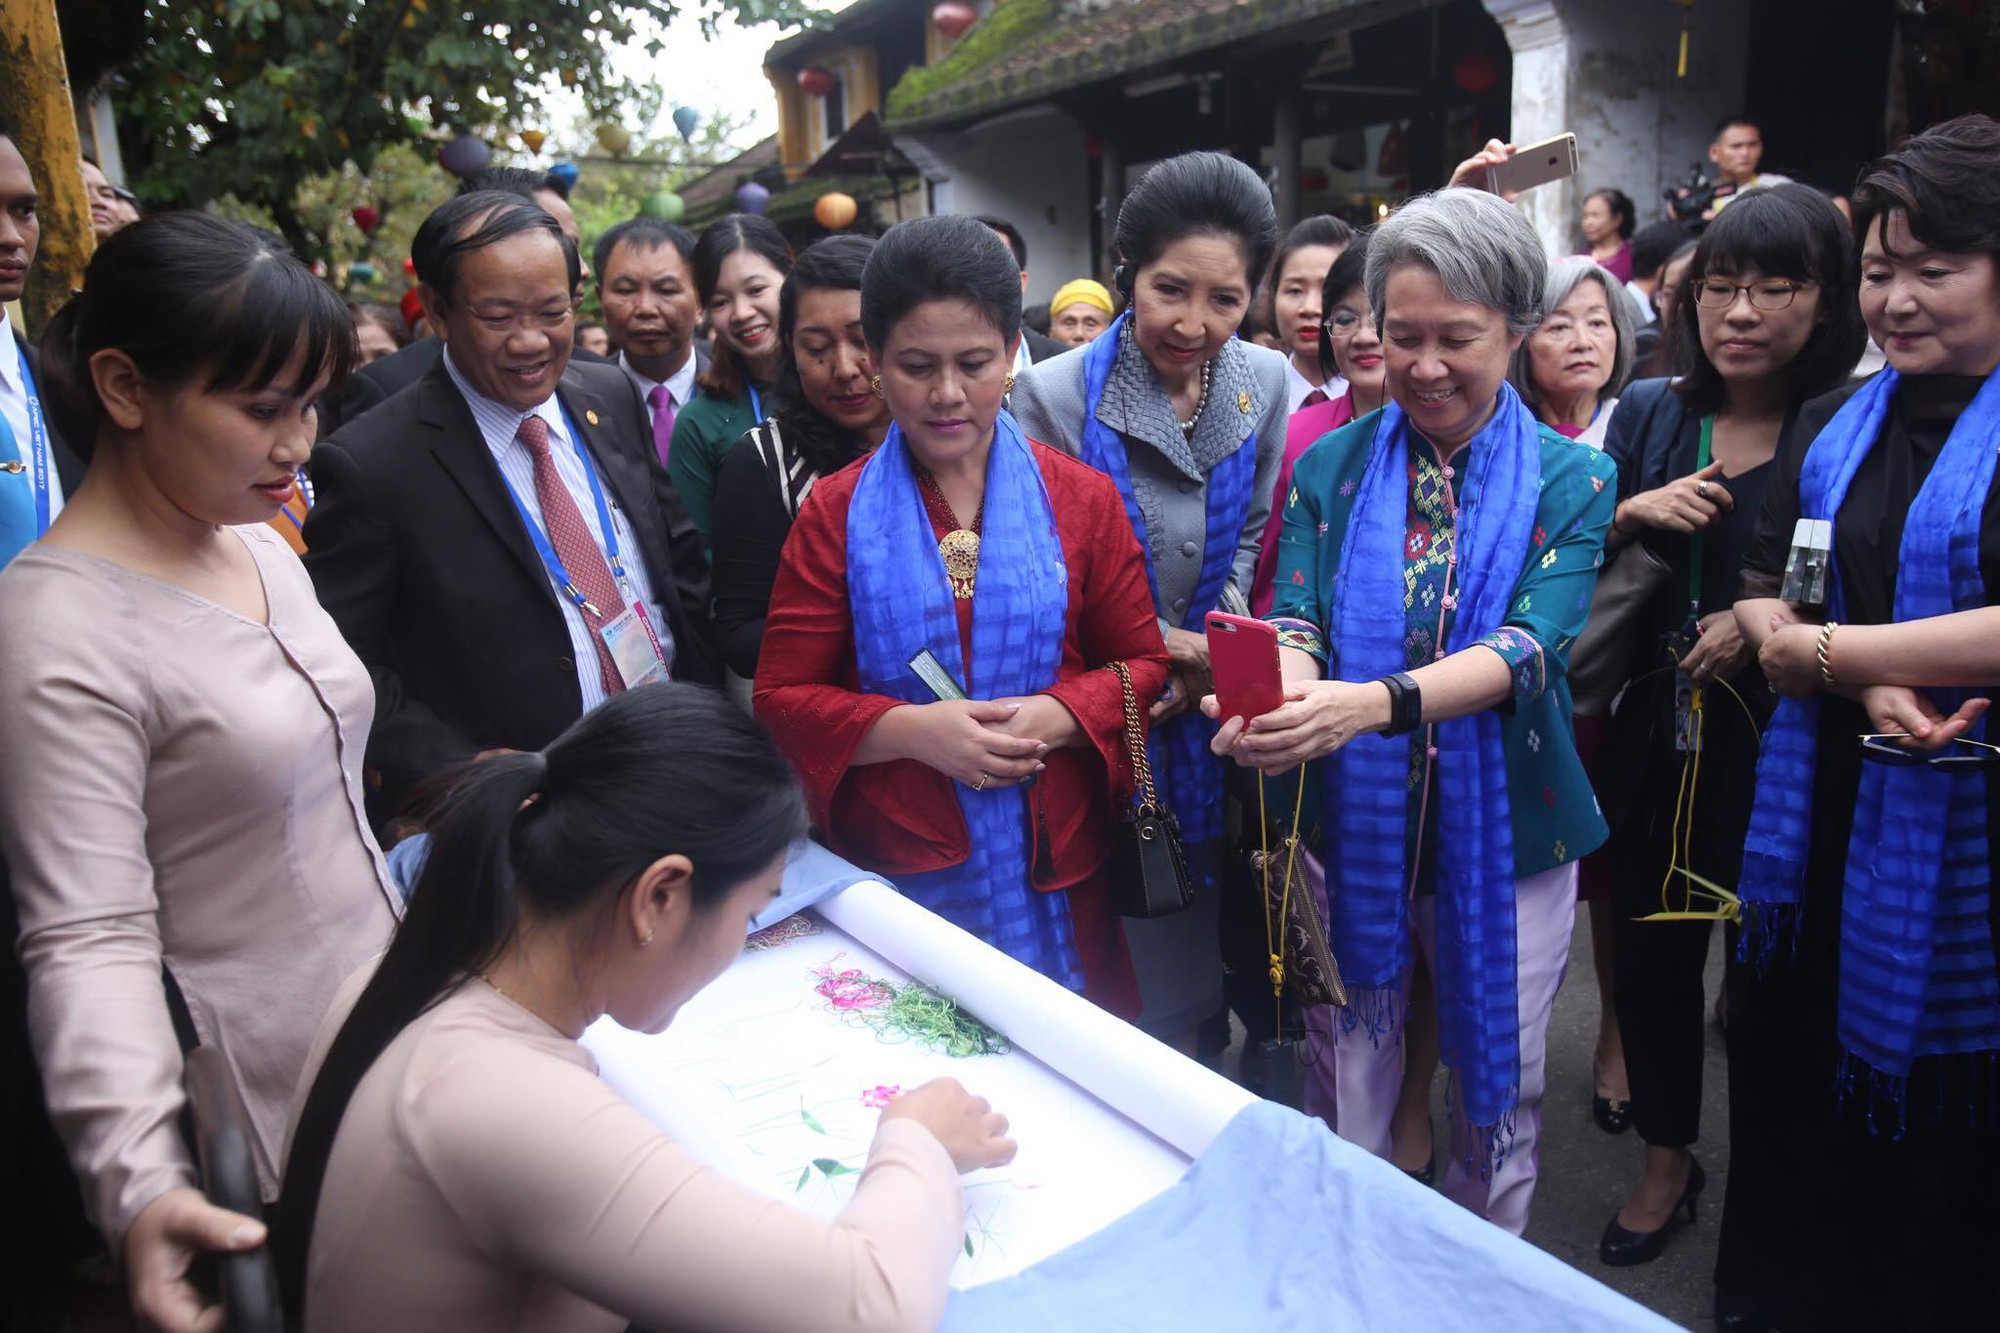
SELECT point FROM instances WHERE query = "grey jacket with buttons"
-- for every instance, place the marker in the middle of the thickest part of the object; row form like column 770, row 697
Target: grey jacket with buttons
column 1247, row 390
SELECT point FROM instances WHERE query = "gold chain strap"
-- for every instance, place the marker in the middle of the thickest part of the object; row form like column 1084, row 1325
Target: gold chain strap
column 1274, row 932
column 1135, row 743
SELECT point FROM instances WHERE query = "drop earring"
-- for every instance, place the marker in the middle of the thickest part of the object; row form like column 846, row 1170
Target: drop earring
column 1009, row 387
column 875, row 386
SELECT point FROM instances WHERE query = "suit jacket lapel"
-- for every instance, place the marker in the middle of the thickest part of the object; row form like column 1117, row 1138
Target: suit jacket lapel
column 462, row 451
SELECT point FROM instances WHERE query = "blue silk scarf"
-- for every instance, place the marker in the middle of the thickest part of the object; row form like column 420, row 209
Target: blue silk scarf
column 1367, row 799
column 902, row 604
column 1916, row 953
column 1187, row 773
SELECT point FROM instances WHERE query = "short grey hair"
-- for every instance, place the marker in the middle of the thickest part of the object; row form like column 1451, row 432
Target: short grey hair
column 1481, row 248
column 1565, row 276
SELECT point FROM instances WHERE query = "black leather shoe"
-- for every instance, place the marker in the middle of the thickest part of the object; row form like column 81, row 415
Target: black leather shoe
column 1621, row 1248
column 1612, row 1117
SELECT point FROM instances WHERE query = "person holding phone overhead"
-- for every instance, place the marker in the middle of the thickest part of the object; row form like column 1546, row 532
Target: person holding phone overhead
column 1452, row 789
column 1868, row 889
column 1189, row 421
column 458, row 1164
column 934, row 650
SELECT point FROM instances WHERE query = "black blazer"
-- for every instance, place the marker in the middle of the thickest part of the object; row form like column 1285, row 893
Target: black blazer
column 68, row 464
column 1040, row 346
column 421, row 558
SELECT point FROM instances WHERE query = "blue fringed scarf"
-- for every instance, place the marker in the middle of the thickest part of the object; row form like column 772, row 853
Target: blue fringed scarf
column 1367, row 800
column 902, row 604
column 1187, row 773
column 1916, row 953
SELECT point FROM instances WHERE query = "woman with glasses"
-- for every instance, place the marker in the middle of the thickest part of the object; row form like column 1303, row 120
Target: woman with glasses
column 1867, row 888
column 1768, row 321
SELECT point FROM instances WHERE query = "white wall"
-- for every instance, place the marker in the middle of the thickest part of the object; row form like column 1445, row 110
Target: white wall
column 1027, row 167
column 1606, row 69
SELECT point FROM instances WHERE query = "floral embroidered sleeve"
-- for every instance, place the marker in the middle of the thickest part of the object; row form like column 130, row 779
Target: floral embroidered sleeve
column 1552, row 599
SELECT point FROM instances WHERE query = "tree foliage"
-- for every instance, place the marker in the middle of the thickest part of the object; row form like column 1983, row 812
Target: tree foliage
column 253, row 98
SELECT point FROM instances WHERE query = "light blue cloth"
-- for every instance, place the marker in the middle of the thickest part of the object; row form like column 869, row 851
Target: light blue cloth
column 1279, row 1226
column 811, row 873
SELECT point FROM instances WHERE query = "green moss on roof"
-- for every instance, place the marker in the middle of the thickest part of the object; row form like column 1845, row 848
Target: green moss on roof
column 1002, row 29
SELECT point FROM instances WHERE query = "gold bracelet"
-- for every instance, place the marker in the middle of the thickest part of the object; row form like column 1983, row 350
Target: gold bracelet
column 1824, row 653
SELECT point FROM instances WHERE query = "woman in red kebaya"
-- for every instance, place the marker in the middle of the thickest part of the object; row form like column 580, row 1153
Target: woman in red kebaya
column 1009, row 574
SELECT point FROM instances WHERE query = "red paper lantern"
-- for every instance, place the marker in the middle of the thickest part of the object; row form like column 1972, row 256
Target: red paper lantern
column 365, row 218
column 409, row 267
column 818, row 80
column 1476, row 72
column 953, row 17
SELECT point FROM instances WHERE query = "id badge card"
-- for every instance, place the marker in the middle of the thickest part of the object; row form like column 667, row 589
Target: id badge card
column 935, row 676
column 632, row 649
column 1807, row 564
column 1687, row 714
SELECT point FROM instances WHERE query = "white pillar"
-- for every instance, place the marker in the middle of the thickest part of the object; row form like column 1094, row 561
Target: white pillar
column 1543, row 59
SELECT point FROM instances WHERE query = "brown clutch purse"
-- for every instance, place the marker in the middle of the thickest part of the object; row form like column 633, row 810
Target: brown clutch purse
column 1294, row 883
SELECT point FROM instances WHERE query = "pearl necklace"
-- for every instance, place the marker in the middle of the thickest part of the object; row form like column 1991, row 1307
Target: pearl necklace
column 1187, row 427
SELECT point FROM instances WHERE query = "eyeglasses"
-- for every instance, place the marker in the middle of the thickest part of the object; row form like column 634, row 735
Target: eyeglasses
column 1344, row 322
column 1963, row 754
column 1715, row 294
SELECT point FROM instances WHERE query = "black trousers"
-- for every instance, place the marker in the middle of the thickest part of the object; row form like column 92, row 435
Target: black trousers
column 1662, row 1012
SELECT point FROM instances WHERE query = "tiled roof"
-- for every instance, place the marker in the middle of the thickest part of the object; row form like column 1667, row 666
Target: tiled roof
column 1072, row 51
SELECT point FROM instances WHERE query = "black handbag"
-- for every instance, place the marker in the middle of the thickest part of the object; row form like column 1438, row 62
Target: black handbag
column 1600, row 661
column 1148, row 866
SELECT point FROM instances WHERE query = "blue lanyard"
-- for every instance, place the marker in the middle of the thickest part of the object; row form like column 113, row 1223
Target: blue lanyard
column 550, row 560
column 38, row 442
column 756, row 403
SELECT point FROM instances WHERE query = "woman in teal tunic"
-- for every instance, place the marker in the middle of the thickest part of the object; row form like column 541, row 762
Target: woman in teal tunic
column 739, row 266
column 1455, row 808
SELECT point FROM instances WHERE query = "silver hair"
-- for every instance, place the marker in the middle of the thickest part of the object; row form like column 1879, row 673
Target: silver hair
column 1480, row 247
column 1565, row 276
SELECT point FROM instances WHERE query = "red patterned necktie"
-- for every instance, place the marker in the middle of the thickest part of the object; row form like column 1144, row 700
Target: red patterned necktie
column 579, row 552
column 1313, row 399
column 662, row 404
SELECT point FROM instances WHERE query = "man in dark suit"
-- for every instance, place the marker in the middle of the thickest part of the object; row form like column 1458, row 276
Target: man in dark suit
column 646, row 288
column 496, row 540
column 377, row 381
column 1034, row 346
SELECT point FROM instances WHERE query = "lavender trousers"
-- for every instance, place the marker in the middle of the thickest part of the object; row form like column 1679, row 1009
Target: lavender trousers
column 1352, row 1083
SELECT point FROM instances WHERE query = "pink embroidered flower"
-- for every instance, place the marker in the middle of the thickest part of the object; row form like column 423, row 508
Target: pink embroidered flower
column 852, row 989
column 880, row 1095
column 1350, row 486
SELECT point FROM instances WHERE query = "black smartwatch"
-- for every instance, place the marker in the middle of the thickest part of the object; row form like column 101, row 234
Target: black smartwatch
column 1406, row 704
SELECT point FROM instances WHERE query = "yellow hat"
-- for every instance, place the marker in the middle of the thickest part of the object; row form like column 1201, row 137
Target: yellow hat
column 1085, row 291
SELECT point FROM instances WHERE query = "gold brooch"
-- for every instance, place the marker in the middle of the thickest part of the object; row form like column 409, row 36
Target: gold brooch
column 590, row 416
column 1243, row 403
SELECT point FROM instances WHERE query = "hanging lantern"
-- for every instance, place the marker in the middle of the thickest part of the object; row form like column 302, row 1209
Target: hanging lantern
column 818, row 80
column 565, row 173
column 532, row 140
column 836, row 212
column 752, row 198
column 361, row 271
column 953, row 17
column 664, row 205
column 1476, row 72
column 615, row 139
column 365, row 218
column 409, row 267
column 685, row 119
column 465, row 155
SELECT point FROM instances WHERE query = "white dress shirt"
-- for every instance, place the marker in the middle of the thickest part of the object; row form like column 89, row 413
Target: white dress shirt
column 500, row 426
column 1299, row 387
column 680, row 384
column 14, row 405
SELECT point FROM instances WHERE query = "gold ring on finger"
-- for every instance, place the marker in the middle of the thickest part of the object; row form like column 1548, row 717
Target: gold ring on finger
column 1701, row 489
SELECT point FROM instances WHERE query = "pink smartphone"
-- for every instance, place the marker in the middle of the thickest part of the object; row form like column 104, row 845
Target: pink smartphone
column 1243, row 657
